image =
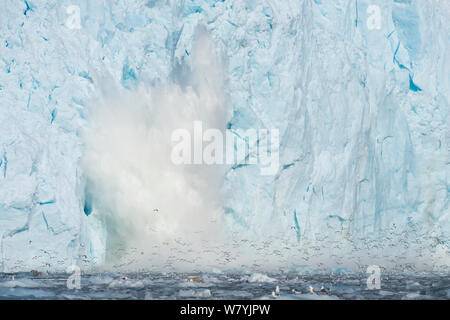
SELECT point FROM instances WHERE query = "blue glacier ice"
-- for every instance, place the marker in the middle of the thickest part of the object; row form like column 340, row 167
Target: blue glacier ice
column 362, row 106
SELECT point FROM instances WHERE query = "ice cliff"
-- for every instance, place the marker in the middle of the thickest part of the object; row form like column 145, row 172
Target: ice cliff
column 359, row 90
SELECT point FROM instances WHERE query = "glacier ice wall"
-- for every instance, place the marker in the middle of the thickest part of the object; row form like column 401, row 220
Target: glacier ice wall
column 360, row 95
column 364, row 154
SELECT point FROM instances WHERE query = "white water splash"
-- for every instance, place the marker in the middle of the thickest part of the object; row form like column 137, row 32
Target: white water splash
column 142, row 198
